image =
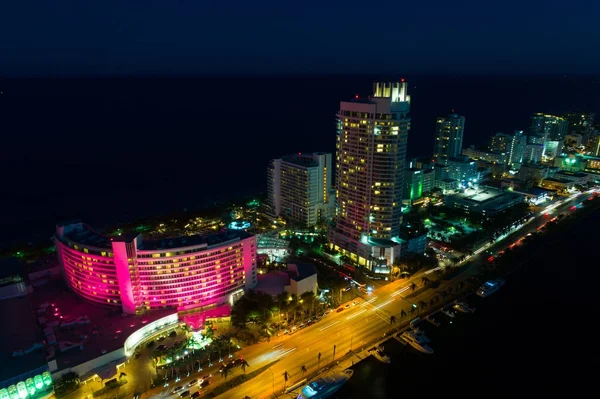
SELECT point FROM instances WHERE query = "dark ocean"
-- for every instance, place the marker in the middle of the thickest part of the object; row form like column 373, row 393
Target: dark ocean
column 111, row 150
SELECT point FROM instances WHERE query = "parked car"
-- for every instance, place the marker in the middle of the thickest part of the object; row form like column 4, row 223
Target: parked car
column 193, row 382
column 196, row 394
column 178, row 388
column 204, row 384
column 340, row 310
column 184, row 393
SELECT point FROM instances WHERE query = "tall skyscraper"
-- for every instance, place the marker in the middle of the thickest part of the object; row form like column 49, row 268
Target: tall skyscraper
column 448, row 138
column 581, row 123
column 513, row 145
column 299, row 188
column 547, row 127
column 372, row 136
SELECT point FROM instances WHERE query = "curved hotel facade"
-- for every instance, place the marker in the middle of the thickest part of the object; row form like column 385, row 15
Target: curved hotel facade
column 139, row 275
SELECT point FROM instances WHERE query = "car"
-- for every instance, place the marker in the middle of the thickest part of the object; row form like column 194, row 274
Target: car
column 184, row 393
column 136, row 395
column 308, row 323
column 206, row 377
column 286, row 331
column 355, row 303
column 178, row 388
column 340, row 310
column 302, row 325
column 161, row 347
column 196, row 394
column 347, row 306
column 193, row 382
column 204, row 384
column 162, row 338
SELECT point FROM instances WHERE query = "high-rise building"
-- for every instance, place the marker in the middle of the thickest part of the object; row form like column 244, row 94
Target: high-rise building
column 372, row 136
column 500, row 142
column 516, row 149
column 413, row 184
column 299, row 188
column 549, row 127
column 581, row 123
column 448, row 138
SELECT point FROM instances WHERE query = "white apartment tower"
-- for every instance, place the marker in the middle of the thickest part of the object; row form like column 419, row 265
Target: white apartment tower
column 448, row 138
column 372, row 135
column 299, row 188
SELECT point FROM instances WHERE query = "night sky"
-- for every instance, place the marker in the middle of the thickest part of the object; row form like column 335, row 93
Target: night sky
column 134, row 37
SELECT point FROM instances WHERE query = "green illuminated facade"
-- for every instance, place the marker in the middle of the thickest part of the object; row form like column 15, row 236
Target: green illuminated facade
column 413, row 184
column 31, row 388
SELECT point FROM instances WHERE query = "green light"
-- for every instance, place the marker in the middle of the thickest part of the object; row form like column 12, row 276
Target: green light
column 414, row 305
column 47, row 378
column 38, row 382
column 22, row 390
column 30, row 386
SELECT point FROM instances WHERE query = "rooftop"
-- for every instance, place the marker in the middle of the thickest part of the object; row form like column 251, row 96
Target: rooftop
column 557, row 180
column 304, row 270
column 301, row 160
column 188, row 241
column 105, row 331
column 19, row 332
column 573, row 174
column 85, row 235
column 484, row 197
column 10, row 267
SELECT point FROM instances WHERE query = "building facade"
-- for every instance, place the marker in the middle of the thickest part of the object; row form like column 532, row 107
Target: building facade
column 464, row 170
column 371, row 144
column 550, row 127
column 448, row 138
column 138, row 275
column 487, row 156
column 413, row 184
column 299, row 188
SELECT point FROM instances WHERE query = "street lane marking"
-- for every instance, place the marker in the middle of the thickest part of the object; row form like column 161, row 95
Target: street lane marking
column 356, row 314
column 369, row 301
column 331, row 325
column 278, row 345
column 286, row 352
column 383, row 304
column 400, row 291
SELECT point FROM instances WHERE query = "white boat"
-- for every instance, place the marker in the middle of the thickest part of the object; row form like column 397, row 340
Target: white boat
column 448, row 313
column 324, row 387
column 379, row 354
column 463, row 307
column 489, row 287
column 417, row 341
column 420, row 335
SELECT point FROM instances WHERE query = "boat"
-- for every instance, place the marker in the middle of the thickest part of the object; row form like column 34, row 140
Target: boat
column 420, row 335
column 417, row 341
column 463, row 307
column 489, row 287
column 326, row 386
column 379, row 354
column 447, row 313
column 433, row 321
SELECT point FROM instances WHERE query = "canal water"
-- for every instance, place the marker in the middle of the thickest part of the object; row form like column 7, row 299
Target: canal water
column 535, row 337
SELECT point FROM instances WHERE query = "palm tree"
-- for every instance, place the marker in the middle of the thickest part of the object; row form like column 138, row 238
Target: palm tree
column 225, row 372
column 244, row 365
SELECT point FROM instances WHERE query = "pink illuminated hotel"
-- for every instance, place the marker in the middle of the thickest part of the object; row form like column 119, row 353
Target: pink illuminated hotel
column 183, row 273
